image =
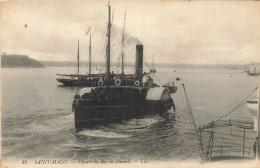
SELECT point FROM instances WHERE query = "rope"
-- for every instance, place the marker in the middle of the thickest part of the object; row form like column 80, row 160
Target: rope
column 98, row 49
column 203, row 157
column 238, row 106
column 147, row 64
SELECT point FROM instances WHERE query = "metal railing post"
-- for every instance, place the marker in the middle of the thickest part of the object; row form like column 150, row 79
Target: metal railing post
column 244, row 142
column 249, row 151
column 221, row 150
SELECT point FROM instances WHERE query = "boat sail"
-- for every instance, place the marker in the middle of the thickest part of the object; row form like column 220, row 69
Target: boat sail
column 108, row 103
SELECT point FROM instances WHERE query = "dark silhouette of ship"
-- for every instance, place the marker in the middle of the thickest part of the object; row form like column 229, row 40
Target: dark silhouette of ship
column 120, row 98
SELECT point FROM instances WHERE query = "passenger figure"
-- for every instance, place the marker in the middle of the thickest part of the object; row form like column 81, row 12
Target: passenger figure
column 149, row 81
column 145, row 79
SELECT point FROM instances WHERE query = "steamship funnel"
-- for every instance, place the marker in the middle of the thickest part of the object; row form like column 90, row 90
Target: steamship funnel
column 139, row 62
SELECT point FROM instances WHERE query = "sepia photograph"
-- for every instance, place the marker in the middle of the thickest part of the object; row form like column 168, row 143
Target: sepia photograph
column 130, row 83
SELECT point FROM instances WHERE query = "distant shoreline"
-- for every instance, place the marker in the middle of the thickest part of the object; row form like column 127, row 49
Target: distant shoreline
column 156, row 65
column 21, row 67
column 19, row 61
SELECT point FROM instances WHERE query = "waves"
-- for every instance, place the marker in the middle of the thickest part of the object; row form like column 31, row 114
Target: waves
column 103, row 134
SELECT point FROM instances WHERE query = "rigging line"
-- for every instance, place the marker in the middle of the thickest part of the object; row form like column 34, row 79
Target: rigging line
column 101, row 51
column 116, row 36
column 129, row 62
column 154, row 74
column 118, row 64
column 115, row 55
column 131, row 67
column 115, row 60
column 158, row 79
column 104, row 55
column 194, row 124
column 99, row 45
column 116, row 52
column 239, row 105
column 148, row 65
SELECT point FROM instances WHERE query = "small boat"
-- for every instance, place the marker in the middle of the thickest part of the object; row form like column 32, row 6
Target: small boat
column 252, row 105
column 171, row 87
column 107, row 103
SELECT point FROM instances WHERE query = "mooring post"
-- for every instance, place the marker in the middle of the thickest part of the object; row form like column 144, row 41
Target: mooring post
column 244, row 142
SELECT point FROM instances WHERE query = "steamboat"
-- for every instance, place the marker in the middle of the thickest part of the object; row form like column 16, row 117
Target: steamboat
column 115, row 99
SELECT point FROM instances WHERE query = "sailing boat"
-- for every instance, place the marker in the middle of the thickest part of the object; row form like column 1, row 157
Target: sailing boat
column 77, row 79
column 109, row 103
column 153, row 70
column 92, row 80
column 253, row 70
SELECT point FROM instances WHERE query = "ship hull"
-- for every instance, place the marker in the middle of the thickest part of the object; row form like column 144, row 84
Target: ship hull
column 95, row 82
column 173, row 89
column 122, row 104
column 126, row 80
column 253, row 74
column 89, row 116
column 84, row 83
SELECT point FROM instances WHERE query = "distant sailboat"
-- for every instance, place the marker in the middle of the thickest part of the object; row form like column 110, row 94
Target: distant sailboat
column 87, row 80
column 153, row 70
column 253, row 70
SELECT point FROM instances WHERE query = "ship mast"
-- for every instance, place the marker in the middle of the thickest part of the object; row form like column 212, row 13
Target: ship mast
column 78, row 58
column 153, row 62
column 255, row 68
column 123, row 40
column 108, row 45
column 89, row 61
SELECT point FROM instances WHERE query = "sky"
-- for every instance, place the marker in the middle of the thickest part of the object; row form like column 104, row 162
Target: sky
column 204, row 32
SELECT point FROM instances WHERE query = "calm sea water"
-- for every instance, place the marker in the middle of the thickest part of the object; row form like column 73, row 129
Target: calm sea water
column 37, row 121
